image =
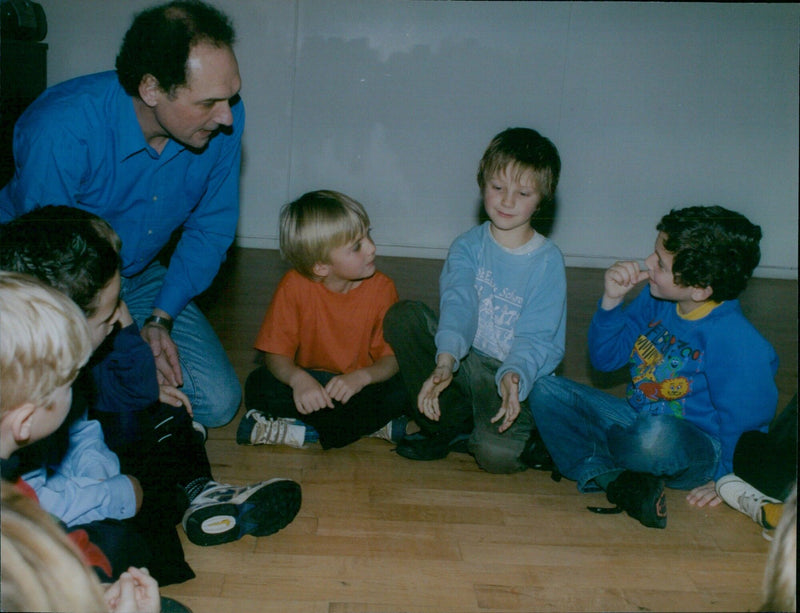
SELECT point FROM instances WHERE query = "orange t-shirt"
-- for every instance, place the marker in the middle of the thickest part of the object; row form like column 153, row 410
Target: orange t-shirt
column 324, row 330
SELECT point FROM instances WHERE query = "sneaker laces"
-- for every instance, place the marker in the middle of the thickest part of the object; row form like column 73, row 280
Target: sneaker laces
column 268, row 431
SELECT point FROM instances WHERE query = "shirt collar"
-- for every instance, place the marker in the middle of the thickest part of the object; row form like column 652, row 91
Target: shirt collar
column 131, row 139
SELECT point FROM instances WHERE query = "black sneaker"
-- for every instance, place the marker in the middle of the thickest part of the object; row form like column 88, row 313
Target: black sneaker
column 535, row 454
column 640, row 495
column 223, row 513
column 417, row 446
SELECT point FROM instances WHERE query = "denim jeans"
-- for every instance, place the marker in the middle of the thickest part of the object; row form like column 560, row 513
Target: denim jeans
column 591, row 433
column 209, row 379
column 471, row 400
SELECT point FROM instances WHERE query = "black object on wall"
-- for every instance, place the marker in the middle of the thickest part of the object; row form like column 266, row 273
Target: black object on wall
column 23, row 69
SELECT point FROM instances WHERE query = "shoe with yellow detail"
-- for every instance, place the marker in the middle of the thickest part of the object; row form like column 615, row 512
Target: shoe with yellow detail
column 223, row 513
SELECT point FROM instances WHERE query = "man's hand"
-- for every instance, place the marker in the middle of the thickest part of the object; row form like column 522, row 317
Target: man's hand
column 137, row 491
column 439, row 380
column 621, row 278
column 164, row 351
column 510, row 407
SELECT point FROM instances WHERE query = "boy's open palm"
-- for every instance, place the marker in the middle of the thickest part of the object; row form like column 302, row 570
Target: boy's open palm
column 428, row 398
column 510, row 406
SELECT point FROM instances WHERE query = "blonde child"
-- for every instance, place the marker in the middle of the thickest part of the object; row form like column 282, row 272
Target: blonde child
column 326, row 362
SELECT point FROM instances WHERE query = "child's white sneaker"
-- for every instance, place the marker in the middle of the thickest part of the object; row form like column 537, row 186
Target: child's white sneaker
column 744, row 498
column 258, row 429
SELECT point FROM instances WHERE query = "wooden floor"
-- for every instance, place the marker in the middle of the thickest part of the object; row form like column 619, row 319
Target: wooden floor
column 379, row 533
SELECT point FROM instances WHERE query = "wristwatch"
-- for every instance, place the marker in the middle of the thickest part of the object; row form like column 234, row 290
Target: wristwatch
column 157, row 320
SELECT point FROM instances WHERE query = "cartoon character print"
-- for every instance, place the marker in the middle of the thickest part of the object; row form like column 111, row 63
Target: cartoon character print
column 661, row 367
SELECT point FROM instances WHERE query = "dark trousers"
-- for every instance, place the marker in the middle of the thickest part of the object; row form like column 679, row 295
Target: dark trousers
column 369, row 410
column 169, row 455
column 768, row 461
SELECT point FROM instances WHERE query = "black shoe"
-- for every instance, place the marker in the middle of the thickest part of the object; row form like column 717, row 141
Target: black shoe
column 417, row 446
column 535, row 454
column 640, row 495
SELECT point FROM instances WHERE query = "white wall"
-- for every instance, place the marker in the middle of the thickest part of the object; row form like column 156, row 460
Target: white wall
column 652, row 106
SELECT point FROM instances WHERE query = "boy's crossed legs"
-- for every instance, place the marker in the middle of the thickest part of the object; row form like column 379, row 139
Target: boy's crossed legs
column 600, row 442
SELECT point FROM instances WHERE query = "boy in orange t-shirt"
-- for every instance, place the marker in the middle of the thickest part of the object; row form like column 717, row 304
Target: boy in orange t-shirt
column 327, row 365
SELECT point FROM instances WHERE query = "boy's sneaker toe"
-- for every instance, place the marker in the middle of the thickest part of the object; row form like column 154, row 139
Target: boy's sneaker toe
column 224, row 513
column 641, row 496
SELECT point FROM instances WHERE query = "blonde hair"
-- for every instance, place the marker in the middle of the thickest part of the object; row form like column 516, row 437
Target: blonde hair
column 41, row 568
column 780, row 575
column 44, row 341
column 317, row 222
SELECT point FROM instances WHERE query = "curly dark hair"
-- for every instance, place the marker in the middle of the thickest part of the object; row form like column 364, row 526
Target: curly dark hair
column 712, row 247
column 160, row 39
column 72, row 250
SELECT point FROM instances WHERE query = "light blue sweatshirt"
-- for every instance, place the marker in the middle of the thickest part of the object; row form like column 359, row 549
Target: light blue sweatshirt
column 506, row 304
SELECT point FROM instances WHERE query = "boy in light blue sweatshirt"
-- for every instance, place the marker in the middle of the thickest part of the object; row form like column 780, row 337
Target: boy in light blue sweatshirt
column 502, row 316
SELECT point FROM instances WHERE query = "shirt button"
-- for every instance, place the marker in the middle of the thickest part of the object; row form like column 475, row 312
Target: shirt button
column 155, row 198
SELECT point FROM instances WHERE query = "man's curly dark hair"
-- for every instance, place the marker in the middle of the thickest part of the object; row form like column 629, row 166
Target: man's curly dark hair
column 160, row 39
column 712, row 247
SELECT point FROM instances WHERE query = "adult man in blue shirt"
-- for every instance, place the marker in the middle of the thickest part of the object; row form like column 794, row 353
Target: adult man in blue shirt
column 152, row 149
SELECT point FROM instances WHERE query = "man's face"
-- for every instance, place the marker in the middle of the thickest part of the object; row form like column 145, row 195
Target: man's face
column 195, row 112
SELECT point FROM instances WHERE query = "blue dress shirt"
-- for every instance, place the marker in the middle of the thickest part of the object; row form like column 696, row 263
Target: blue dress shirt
column 80, row 144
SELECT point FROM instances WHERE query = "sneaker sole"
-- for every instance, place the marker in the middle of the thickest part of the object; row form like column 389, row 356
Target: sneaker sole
column 264, row 512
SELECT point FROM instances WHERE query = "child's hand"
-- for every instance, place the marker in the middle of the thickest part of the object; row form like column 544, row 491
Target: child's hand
column 621, row 278
column 344, row 387
column 703, row 495
column 440, row 379
column 137, row 491
column 172, row 396
column 510, row 407
column 134, row 592
column 309, row 395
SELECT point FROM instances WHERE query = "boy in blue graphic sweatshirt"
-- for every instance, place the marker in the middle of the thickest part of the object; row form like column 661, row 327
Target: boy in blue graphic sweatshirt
column 701, row 374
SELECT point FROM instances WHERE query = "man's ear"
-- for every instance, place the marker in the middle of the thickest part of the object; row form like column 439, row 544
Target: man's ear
column 321, row 270
column 149, row 90
column 701, row 294
column 20, row 422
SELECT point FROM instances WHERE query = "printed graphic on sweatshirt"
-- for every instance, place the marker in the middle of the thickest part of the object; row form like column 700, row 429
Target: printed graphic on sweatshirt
column 662, row 372
column 498, row 311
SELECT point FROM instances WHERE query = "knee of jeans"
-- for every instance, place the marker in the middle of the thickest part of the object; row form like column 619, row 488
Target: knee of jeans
column 496, row 458
column 650, row 437
column 397, row 314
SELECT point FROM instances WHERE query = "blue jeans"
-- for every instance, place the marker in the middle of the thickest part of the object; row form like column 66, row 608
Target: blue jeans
column 591, row 433
column 209, row 379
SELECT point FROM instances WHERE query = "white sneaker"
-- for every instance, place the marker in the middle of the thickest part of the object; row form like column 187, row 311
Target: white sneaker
column 257, row 429
column 743, row 497
column 394, row 431
column 222, row 513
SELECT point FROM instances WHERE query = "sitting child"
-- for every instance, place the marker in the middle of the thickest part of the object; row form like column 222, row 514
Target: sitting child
column 168, row 474
column 701, row 374
column 45, row 342
column 326, row 363
column 502, row 320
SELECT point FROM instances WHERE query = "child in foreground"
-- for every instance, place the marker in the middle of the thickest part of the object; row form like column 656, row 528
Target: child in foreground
column 701, row 374
column 160, row 454
column 502, row 316
column 327, row 365
column 45, row 342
